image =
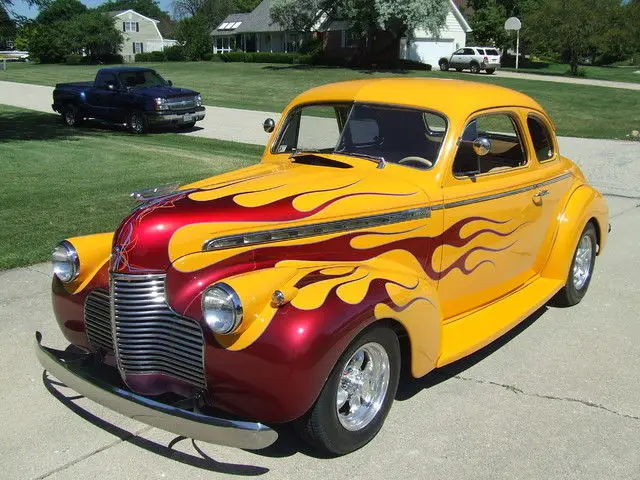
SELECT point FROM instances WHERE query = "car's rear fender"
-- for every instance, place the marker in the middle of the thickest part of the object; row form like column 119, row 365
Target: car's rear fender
column 584, row 205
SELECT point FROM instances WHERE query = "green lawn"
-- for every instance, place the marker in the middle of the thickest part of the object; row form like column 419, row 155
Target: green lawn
column 56, row 182
column 614, row 74
column 577, row 110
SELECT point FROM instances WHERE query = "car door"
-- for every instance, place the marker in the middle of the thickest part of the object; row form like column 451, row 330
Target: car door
column 101, row 96
column 457, row 57
column 494, row 221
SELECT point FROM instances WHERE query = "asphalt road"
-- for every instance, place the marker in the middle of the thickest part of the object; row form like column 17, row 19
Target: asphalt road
column 555, row 398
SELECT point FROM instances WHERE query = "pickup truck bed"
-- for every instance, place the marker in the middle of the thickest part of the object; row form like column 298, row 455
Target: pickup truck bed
column 136, row 97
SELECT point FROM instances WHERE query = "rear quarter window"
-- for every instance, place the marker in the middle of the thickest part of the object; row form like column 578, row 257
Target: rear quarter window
column 491, row 51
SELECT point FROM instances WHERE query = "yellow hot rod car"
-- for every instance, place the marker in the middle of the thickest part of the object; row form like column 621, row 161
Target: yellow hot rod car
column 390, row 221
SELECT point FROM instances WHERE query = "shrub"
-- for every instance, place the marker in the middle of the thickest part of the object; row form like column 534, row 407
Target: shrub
column 151, row 57
column 266, row 57
column 175, row 53
column 207, row 56
column 73, row 59
column 103, row 59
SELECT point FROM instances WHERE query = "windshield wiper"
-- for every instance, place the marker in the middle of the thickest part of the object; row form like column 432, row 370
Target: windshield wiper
column 376, row 158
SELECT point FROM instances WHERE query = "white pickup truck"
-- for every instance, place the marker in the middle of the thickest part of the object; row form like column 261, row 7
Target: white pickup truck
column 475, row 59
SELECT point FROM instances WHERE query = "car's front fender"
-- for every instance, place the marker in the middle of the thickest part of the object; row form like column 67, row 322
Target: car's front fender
column 275, row 366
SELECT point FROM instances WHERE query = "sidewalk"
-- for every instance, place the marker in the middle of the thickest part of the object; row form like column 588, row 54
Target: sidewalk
column 577, row 81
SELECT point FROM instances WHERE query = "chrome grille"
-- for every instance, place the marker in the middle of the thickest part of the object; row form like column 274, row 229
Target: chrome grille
column 182, row 103
column 97, row 319
column 150, row 337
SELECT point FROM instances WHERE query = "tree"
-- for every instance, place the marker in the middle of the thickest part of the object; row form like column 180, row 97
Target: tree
column 488, row 24
column 60, row 10
column 246, row 5
column 570, row 27
column 296, row 15
column 8, row 28
column 194, row 34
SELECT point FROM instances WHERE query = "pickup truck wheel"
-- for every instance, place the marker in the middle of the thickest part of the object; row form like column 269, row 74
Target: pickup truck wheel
column 490, row 71
column 137, row 122
column 357, row 396
column 444, row 65
column 581, row 270
column 70, row 116
column 474, row 67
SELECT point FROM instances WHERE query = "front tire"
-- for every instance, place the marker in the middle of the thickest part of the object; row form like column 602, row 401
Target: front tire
column 357, row 396
column 581, row 270
column 137, row 123
column 490, row 71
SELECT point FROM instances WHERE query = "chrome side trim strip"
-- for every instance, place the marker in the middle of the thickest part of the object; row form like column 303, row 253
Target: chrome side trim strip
column 304, row 231
column 495, row 196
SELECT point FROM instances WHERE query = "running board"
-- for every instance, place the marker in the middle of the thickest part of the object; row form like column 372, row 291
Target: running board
column 473, row 331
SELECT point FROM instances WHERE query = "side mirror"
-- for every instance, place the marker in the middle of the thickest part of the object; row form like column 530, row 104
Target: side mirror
column 170, row 83
column 482, row 146
column 111, row 86
column 269, row 125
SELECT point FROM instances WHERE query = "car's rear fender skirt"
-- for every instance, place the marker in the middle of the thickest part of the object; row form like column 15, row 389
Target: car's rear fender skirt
column 585, row 205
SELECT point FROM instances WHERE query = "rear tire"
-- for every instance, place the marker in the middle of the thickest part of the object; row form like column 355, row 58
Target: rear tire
column 581, row 270
column 70, row 116
column 137, row 122
column 490, row 71
column 357, row 396
column 474, row 67
column 444, row 65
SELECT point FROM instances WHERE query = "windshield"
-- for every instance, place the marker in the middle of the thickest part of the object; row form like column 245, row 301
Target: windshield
column 141, row 79
column 375, row 132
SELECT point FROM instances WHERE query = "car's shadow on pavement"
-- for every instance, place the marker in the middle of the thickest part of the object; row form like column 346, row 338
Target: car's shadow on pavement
column 409, row 387
column 288, row 442
column 203, row 461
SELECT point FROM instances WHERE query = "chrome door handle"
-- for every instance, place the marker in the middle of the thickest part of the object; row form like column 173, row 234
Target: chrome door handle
column 541, row 193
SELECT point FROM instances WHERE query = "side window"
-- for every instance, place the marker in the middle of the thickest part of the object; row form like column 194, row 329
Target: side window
column 480, row 51
column 468, row 51
column 506, row 150
column 541, row 138
column 459, row 52
column 105, row 79
column 315, row 127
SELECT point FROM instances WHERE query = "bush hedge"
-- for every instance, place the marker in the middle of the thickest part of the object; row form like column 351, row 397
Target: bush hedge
column 151, row 57
column 101, row 59
column 169, row 54
column 266, row 57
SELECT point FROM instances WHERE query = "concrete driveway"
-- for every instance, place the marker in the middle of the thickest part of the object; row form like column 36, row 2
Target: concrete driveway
column 556, row 398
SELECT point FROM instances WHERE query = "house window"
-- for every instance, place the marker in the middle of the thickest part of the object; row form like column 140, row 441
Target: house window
column 137, row 47
column 223, row 45
column 130, row 27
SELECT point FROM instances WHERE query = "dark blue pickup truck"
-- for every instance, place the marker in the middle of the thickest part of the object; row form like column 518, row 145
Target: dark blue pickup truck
column 136, row 97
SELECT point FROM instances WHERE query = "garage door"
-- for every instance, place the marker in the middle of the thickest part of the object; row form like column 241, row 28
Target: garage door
column 429, row 51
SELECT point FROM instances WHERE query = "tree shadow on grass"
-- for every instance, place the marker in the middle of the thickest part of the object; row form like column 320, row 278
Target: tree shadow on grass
column 366, row 71
column 32, row 125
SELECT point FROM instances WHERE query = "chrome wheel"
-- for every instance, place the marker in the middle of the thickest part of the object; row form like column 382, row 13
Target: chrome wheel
column 70, row 117
column 136, row 123
column 582, row 262
column 363, row 386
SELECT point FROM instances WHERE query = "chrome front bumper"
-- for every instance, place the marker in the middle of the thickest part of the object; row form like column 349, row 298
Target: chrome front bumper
column 72, row 369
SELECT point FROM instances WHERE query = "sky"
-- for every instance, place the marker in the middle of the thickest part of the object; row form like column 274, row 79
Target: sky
column 20, row 7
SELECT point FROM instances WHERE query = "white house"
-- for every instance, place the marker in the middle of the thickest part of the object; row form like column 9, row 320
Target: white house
column 257, row 32
column 140, row 33
column 426, row 48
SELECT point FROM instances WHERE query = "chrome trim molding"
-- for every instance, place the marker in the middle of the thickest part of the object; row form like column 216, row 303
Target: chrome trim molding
column 75, row 372
column 316, row 229
column 495, row 196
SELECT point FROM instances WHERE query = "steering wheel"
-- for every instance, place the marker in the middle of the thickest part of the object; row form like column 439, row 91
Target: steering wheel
column 422, row 162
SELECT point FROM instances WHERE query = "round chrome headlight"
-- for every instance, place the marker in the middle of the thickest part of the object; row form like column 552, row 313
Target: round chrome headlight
column 222, row 309
column 66, row 265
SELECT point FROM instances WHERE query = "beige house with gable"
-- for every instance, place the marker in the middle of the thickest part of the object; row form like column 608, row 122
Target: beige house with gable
column 140, row 34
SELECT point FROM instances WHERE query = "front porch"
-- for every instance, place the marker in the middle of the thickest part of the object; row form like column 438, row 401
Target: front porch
column 270, row 42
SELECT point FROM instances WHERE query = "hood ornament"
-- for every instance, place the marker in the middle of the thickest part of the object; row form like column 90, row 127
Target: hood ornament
column 155, row 192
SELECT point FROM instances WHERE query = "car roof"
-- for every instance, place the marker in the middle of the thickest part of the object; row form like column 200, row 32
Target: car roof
column 125, row 69
column 454, row 98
